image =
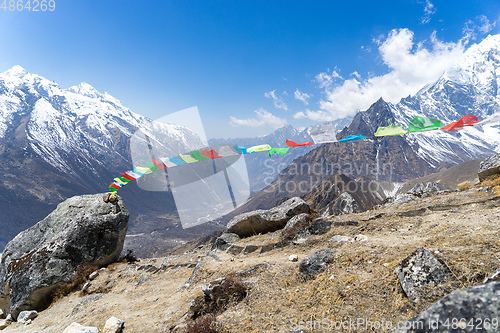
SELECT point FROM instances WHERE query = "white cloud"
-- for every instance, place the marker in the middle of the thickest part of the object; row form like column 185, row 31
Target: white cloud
column 326, row 79
column 302, row 96
column 428, row 11
column 483, row 26
column 263, row 118
column 278, row 102
column 410, row 68
column 314, row 115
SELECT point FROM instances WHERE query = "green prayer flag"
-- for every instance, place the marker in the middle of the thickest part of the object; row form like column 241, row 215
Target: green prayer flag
column 152, row 167
column 423, row 124
column 124, row 179
column 281, row 151
column 196, row 154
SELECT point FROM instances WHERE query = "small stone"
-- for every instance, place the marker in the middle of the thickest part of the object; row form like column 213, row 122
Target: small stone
column 2, row 314
column 86, row 286
column 316, row 262
column 77, row 328
column 293, row 257
column 113, row 325
column 4, row 323
column 226, row 240
column 360, row 238
column 493, row 277
column 24, row 316
column 93, row 275
column 143, row 278
column 340, row 239
column 250, row 249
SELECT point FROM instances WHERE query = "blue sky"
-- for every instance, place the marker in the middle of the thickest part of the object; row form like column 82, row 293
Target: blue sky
column 249, row 66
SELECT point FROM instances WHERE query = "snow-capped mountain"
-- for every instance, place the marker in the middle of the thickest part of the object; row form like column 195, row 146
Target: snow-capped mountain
column 56, row 143
column 79, row 120
column 470, row 87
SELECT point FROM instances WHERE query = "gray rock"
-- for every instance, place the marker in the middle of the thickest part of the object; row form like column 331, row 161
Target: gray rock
column 320, row 226
column 77, row 328
column 208, row 288
column 493, row 277
column 489, row 166
column 93, row 275
column 234, row 250
column 143, row 278
column 113, row 325
column 86, row 286
column 24, row 316
column 301, row 236
column 340, row 239
column 420, row 270
column 424, row 189
column 295, row 224
column 262, row 221
column 477, row 306
column 4, row 323
column 250, row 248
column 86, row 300
column 316, row 262
column 82, row 229
column 225, row 240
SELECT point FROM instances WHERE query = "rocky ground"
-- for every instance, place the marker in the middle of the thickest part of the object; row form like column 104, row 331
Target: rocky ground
column 359, row 282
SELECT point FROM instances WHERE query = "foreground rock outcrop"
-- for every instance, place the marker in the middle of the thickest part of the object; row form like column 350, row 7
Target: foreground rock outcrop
column 489, row 166
column 81, row 230
column 262, row 221
column 475, row 309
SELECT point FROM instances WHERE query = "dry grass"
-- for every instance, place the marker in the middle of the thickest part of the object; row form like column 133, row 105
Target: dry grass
column 77, row 281
column 228, row 293
column 493, row 180
column 465, row 185
column 205, row 324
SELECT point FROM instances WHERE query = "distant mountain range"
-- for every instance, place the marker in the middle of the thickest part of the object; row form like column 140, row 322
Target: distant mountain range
column 262, row 169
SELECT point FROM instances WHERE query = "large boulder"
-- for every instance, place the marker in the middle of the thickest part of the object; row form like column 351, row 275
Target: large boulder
column 476, row 309
column 421, row 270
column 81, row 230
column 489, row 166
column 262, row 221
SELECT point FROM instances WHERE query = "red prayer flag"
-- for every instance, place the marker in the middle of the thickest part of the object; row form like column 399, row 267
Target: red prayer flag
column 159, row 164
column 127, row 177
column 210, row 153
column 468, row 120
column 291, row 143
column 115, row 186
